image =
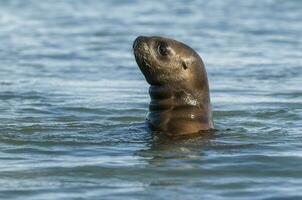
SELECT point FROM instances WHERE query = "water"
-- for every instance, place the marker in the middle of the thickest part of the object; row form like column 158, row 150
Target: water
column 73, row 101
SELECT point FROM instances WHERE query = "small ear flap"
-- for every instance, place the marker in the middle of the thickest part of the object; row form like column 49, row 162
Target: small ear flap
column 184, row 65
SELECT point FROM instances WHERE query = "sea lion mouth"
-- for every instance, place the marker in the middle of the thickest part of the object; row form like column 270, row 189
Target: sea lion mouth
column 142, row 60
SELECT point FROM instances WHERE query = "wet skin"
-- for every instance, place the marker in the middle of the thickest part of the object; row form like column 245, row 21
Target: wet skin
column 179, row 90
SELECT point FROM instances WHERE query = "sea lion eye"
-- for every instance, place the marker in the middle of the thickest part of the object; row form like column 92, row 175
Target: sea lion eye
column 162, row 49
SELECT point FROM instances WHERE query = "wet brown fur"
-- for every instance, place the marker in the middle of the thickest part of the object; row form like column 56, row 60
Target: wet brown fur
column 179, row 91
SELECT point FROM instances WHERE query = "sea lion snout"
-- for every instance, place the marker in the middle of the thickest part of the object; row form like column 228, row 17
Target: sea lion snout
column 138, row 41
column 135, row 42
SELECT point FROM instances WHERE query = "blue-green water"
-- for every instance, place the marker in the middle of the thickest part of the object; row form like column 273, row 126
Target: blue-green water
column 73, row 102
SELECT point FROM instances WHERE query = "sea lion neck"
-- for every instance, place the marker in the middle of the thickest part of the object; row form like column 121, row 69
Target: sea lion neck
column 160, row 92
column 171, row 97
column 178, row 111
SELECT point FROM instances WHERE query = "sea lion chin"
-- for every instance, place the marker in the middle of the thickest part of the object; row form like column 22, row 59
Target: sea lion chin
column 179, row 90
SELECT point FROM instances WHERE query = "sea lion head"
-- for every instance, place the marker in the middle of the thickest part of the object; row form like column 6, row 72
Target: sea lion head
column 165, row 61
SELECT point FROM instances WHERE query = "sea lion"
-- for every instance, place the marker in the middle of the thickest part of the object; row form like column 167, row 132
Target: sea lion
column 179, row 90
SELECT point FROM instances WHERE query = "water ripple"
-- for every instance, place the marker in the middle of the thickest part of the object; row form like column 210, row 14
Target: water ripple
column 73, row 102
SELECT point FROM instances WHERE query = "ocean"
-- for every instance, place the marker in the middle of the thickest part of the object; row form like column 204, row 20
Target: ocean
column 73, row 101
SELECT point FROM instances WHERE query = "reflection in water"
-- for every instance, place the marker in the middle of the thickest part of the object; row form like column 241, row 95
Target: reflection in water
column 162, row 148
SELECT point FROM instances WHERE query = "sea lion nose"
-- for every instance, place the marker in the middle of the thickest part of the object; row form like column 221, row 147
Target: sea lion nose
column 137, row 41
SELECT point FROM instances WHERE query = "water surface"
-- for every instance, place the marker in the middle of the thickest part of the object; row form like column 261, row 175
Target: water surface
column 73, row 102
